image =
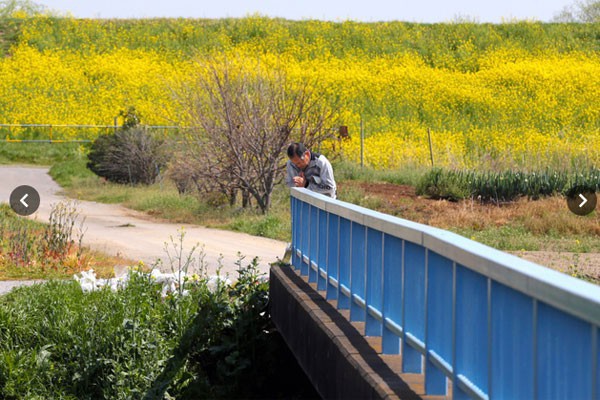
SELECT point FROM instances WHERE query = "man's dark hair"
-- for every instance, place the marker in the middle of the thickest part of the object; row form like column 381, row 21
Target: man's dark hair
column 296, row 149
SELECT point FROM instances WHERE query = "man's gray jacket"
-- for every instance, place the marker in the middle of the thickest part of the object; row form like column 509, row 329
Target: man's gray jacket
column 318, row 173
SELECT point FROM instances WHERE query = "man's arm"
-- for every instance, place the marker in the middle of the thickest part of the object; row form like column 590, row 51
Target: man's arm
column 327, row 184
column 291, row 173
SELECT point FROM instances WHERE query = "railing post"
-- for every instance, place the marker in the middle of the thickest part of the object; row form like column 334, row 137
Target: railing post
column 344, row 265
column 323, row 248
column 414, row 308
column 439, row 325
column 305, row 238
column 393, row 293
column 333, row 255
column 313, row 244
column 357, row 272
column 374, row 282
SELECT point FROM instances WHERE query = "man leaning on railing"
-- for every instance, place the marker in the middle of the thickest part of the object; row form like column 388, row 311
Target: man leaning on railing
column 309, row 169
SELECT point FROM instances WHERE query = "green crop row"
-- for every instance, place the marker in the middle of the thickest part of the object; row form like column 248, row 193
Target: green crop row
column 507, row 185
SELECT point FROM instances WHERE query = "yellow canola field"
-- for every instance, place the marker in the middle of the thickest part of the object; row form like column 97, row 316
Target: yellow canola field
column 517, row 110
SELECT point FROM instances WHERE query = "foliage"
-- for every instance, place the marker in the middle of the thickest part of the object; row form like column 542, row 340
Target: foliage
column 131, row 119
column 57, row 341
column 440, row 185
column 28, row 248
column 507, row 185
column 127, row 156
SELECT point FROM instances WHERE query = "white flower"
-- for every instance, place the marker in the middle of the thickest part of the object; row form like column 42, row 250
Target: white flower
column 160, row 277
column 168, row 289
column 87, row 286
column 87, row 280
column 170, row 282
column 216, row 281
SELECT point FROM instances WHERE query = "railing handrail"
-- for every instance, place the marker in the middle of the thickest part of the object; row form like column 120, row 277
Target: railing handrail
column 569, row 294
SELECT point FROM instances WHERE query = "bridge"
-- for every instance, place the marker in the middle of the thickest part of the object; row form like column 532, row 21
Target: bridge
column 374, row 306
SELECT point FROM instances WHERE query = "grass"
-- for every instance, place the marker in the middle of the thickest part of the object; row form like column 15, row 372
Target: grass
column 345, row 170
column 517, row 238
column 28, row 251
column 40, row 153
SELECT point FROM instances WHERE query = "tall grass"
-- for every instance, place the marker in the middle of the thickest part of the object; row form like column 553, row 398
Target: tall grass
column 30, row 249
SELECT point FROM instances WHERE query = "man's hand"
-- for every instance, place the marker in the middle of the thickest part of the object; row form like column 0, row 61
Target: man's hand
column 299, row 181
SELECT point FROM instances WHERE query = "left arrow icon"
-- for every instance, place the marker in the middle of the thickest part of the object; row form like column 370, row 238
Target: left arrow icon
column 27, row 205
column 24, row 200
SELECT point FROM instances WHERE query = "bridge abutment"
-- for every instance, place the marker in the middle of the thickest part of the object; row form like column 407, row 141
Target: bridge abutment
column 338, row 360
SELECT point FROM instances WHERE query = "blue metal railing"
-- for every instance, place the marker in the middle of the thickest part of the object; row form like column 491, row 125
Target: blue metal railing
column 495, row 325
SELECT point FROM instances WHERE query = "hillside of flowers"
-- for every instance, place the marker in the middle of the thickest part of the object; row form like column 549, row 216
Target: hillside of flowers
column 515, row 95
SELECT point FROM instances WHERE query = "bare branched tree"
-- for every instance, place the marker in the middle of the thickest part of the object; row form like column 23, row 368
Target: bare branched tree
column 244, row 118
column 587, row 11
column 9, row 7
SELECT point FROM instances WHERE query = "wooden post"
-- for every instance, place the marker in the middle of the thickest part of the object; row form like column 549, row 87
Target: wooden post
column 362, row 143
column 430, row 145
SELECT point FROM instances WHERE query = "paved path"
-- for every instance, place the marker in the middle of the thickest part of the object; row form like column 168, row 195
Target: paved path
column 115, row 229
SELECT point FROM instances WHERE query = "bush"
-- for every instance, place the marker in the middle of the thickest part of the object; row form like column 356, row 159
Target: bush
column 127, row 156
column 218, row 341
column 441, row 185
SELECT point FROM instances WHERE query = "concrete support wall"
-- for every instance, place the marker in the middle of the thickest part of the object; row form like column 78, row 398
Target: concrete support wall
column 336, row 358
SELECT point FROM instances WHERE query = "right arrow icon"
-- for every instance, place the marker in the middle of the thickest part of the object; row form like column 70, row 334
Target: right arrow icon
column 584, row 200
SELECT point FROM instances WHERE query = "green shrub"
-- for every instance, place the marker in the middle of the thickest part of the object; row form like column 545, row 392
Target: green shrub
column 438, row 184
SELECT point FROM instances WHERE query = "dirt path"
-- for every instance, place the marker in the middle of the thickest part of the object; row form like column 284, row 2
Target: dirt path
column 578, row 264
column 114, row 229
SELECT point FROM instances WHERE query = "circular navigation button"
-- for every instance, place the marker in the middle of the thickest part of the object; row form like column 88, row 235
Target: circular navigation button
column 582, row 203
column 24, row 200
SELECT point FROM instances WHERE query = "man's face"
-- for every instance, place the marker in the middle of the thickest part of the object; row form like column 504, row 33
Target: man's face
column 301, row 162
